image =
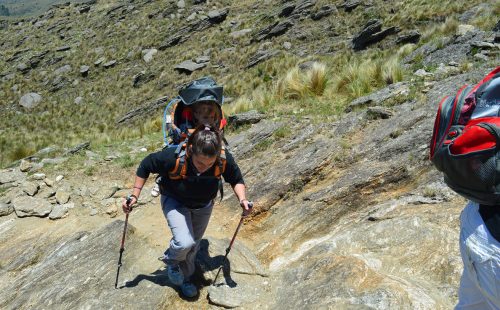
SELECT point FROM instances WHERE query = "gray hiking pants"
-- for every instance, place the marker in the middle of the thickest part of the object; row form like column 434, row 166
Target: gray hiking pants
column 187, row 226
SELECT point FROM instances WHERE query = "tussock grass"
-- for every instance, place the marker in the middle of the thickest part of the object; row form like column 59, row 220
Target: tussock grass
column 299, row 84
column 488, row 16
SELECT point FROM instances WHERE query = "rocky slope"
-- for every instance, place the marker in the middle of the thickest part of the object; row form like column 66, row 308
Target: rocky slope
column 63, row 73
column 349, row 213
column 364, row 225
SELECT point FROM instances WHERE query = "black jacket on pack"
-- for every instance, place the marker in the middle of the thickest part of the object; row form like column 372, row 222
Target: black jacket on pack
column 194, row 191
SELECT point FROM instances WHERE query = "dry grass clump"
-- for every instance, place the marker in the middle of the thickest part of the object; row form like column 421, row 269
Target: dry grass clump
column 301, row 83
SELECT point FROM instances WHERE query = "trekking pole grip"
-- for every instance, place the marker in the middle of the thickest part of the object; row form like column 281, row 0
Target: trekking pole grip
column 250, row 206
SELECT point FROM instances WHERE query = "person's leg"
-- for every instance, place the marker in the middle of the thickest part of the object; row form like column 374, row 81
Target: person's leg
column 480, row 282
column 179, row 222
column 469, row 296
column 200, row 219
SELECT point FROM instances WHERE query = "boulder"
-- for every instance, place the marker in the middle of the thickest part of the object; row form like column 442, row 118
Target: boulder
column 84, row 71
column 84, row 9
column 303, row 7
column 378, row 112
column 58, row 212
column 380, row 96
column 250, row 117
column 142, row 78
column 274, row 30
column 412, row 36
column 46, row 193
column 172, row 41
column 144, row 110
column 30, row 100
column 11, row 176
column 62, row 197
column 23, row 68
column 202, row 59
column 260, row 56
column 189, row 67
column 147, row 54
column 109, row 64
column 324, row 11
column 62, row 70
column 38, row 176
column 112, row 210
column 286, row 10
column 77, row 148
column 63, row 48
column 25, row 165
column 5, row 209
column 240, row 33
column 99, row 61
column 217, row 16
column 371, row 33
column 351, row 5
column 35, row 60
column 30, row 188
column 31, row 206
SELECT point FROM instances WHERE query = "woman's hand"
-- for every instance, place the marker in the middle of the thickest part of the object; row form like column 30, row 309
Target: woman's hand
column 128, row 203
column 246, row 206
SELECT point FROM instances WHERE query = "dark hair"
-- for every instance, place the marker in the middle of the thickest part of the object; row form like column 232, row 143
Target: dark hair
column 206, row 141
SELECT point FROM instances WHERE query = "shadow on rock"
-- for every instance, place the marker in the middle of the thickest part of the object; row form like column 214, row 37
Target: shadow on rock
column 207, row 267
column 160, row 278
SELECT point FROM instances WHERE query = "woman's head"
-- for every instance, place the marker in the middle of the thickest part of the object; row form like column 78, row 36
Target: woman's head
column 204, row 146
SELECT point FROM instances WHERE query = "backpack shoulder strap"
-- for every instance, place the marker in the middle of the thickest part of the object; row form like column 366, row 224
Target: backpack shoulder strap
column 219, row 170
column 221, row 164
column 180, row 169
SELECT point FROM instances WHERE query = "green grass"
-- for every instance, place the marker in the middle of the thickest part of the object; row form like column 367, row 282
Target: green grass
column 275, row 87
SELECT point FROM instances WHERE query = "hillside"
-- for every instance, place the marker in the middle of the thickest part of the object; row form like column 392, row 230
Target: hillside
column 92, row 63
column 27, row 8
column 350, row 214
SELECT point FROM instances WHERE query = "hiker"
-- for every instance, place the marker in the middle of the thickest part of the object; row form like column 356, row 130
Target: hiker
column 465, row 146
column 199, row 102
column 203, row 112
column 190, row 179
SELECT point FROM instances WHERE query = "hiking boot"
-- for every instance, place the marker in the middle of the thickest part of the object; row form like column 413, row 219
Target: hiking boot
column 175, row 275
column 189, row 289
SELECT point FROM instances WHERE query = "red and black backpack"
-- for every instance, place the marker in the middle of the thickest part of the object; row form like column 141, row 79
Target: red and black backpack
column 465, row 143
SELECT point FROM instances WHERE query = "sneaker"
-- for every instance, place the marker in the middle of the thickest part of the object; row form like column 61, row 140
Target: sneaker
column 155, row 192
column 189, row 289
column 175, row 275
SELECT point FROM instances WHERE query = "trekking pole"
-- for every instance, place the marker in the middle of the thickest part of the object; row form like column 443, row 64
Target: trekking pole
column 122, row 247
column 250, row 205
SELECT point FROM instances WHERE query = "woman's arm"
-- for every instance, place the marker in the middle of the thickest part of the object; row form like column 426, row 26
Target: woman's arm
column 136, row 192
column 240, row 192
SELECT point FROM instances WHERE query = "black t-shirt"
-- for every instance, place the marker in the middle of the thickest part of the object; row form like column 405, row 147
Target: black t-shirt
column 491, row 217
column 194, row 191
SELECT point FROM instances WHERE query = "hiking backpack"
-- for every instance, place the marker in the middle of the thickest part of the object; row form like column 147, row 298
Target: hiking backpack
column 178, row 119
column 465, row 143
column 178, row 124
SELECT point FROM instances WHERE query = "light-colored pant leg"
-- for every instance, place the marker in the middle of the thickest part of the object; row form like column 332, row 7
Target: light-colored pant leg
column 469, row 296
column 187, row 227
column 200, row 219
column 480, row 282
